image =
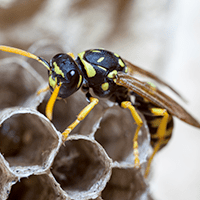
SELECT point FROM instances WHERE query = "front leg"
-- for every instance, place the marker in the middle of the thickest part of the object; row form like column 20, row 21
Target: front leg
column 51, row 102
column 81, row 116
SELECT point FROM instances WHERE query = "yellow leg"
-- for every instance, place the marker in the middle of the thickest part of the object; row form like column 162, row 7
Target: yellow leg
column 81, row 116
column 43, row 90
column 138, row 120
column 161, row 134
column 51, row 102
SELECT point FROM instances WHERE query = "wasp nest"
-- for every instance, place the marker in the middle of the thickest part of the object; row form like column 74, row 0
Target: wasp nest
column 96, row 162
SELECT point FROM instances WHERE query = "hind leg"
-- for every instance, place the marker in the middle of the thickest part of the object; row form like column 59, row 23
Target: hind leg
column 139, row 122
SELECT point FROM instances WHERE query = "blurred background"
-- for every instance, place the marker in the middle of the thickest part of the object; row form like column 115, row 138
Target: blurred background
column 160, row 36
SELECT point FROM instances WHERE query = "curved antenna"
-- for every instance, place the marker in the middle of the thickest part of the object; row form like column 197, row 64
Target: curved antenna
column 26, row 54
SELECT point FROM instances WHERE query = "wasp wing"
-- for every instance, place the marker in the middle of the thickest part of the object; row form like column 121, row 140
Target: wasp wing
column 156, row 97
column 133, row 69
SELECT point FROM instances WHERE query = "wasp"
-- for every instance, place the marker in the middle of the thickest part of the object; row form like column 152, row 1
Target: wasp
column 112, row 77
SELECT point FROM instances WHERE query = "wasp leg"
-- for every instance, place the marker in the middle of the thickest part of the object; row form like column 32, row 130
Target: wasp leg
column 139, row 122
column 43, row 90
column 81, row 116
column 51, row 102
column 160, row 134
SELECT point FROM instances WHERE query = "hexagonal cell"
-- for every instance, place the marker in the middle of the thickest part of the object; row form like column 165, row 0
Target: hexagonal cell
column 116, row 133
column 19, row 81
column 126, row 183
column 28, row 140
column 82, row 168
column 36, row 187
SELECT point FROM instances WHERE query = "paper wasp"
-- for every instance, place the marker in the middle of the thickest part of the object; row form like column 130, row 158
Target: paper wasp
column 112, row 77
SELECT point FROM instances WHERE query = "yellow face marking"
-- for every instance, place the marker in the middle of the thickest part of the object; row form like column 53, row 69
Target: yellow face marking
column 100, row 59
column 80, row 81
column 96, row 51
column 52, row 82
column 116, row 55
column 102, row 68
column 112, row 74
column 58, row 70
column 121, row 63
column 126, row 69
column 91, row 72
column 105, row 86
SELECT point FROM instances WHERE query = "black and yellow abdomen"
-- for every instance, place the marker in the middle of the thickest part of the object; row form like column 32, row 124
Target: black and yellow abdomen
column 153, row 121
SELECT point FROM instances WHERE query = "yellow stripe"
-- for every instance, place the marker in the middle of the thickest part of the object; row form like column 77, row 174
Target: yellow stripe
column 96, row 51
column 100, row 59
column 52, row 82
column 91, row 72
column 58, row 70
column 80, row 81
column 121, row 63
column 102, row 68
column 116, row 55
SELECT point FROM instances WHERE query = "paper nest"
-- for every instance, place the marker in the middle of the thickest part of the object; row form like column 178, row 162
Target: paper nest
column 96, row 161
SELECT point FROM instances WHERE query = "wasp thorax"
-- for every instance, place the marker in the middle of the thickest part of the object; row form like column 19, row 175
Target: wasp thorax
column 65, row 71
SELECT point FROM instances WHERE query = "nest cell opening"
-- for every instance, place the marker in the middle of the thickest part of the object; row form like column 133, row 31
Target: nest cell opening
column 26, row 140
column 34, row 187
column 125, row 183
column 79, row 165
column 18, row 82
column 116, row 133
